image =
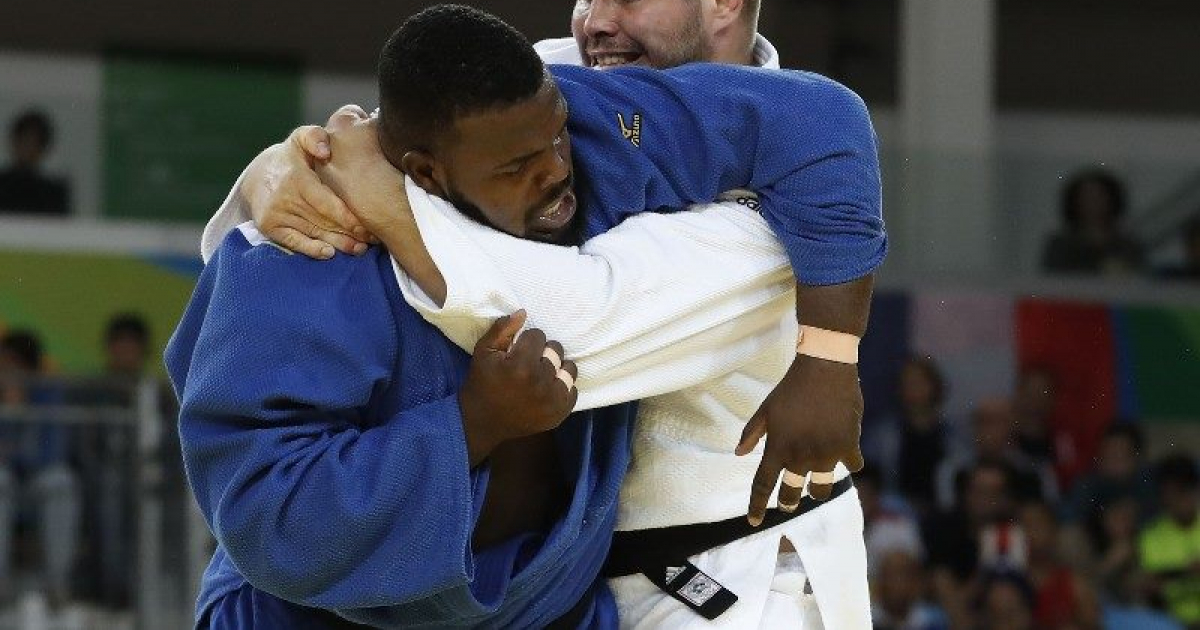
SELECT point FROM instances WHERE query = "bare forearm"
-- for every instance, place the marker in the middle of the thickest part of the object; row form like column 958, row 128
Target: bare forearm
column 403, row 240
column 840, row 307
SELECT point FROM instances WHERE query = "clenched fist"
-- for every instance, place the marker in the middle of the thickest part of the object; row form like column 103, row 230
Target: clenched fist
column 514, row 389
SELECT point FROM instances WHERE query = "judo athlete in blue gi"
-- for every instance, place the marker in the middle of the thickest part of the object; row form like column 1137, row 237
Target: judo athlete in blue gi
column 353, row 464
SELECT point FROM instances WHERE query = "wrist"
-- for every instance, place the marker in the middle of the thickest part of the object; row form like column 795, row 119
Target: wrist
column 830, row 345
column 479, row 439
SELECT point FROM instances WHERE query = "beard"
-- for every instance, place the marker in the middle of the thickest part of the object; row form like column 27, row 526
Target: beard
column 687, row 45
column 572, row 234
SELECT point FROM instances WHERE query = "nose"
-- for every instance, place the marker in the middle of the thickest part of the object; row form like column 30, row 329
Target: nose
column 600, row 18
column 557, row 169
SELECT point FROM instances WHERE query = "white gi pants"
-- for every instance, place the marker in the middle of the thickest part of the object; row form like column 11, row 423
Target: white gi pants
column 831, row 558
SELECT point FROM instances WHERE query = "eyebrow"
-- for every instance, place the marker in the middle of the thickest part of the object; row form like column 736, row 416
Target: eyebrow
column 518, row 160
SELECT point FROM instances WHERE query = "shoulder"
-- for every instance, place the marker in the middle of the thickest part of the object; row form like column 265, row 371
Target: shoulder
column 809, row 83
column 247, row 257
column 260, row 287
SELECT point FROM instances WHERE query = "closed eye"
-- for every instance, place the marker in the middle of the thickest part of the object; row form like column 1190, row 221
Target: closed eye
column 515, row 169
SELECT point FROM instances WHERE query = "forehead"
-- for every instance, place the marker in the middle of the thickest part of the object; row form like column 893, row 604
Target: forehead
column 523, row 126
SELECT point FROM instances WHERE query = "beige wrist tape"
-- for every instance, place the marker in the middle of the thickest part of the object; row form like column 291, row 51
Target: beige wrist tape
column 830, row 345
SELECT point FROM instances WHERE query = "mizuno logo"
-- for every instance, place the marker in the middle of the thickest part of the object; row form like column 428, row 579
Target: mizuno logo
column 631, row 133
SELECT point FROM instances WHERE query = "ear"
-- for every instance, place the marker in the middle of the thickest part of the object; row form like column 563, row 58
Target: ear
column 425, row 170
column 725, row 13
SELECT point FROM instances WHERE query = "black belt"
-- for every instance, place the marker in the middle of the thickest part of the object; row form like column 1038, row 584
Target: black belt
column 661, row 554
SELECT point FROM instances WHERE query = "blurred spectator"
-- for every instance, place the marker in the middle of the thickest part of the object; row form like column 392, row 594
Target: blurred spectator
column 1113, row 532
column 909, row 446
column 1092, row 240
column 1033, row 407
column 1190, row 269
column 1060, row 594
column 1006, row 602
column 995, row 442
column 23, row 186
column 956, row 542
column 1170, row 546
column 1120, row 472
column 899, row 589
column 954, row 538
column 888, row 523
column 104, row 452
column 126, row 348
column 34, row 471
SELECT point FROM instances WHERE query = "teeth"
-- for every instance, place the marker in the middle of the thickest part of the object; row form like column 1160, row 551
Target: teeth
column 552, row 210
column 608, row 61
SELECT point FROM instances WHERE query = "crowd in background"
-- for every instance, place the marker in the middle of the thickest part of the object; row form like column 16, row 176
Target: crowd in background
column 971, row 524
column 67, row 490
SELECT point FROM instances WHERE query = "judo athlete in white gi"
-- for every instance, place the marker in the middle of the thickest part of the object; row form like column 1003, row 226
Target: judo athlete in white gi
column 637, row 331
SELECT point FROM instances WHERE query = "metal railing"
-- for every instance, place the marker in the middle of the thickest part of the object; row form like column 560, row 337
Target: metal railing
column 169, row 544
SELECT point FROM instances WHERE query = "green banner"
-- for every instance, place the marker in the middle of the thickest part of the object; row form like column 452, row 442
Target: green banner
column 67, row 299
column 1165, row 355
column 177, row 131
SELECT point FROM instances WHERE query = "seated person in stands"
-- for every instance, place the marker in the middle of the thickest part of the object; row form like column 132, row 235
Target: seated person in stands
column 23, row 187
column 1092, row 240
column 33, row 467
column 1170, row 546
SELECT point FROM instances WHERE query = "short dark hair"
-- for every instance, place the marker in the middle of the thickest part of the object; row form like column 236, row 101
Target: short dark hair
column 448, row 61
column 1112, row 186
column 127, row 325
column 1179, row 470
column 933, row 372
column 35, row 121
column 25, row 345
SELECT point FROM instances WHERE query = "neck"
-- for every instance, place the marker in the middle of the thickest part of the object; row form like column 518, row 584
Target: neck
column 735, row 46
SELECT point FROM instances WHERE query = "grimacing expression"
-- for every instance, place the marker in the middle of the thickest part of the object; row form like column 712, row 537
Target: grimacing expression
column 654, row 33
column 510, row 168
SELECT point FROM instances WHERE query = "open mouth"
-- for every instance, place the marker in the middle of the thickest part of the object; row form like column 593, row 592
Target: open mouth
column 555, row 216
column 604, row 60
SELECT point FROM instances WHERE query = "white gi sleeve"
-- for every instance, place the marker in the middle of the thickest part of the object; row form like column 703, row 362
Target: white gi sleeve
column 658, row 303
column 232, row 213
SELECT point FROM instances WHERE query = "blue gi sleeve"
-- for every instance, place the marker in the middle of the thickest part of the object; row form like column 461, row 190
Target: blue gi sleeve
column 315, row 499
column 656, row 139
